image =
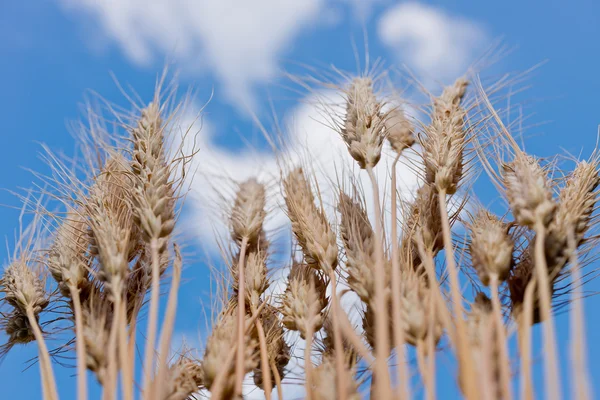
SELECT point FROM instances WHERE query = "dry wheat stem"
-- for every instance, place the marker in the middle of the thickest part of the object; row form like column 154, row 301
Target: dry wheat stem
column 239, row 363
column 356, row 342
column 525, row 323
column 580, row 379
column 277, row 380
column 79, row 345
column 167, row 326
column 112, row 351
column 308, row 363
column 381, row 318
column 464, row 355
column 264, row 357
column 442, row 307
column 501, row 339
column 153, row 315
column 431, row 347
column 47, row 374
column 403, row 384
column 487, row 384
column 126, row 371
column 424, row 370
column 551, row 366
column 337, row 336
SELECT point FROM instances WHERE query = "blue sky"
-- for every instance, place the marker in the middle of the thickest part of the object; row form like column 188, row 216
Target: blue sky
column 53, row 53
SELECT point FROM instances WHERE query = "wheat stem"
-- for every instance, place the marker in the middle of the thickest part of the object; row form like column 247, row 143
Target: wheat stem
column 127, row 373
column 501, row 338
column 525, row 322
column 113, row 351
column 465, row 360
column 79, row 345
column 551, row 366
column 427, row 259
column 403, row 385
column 381, row 318
column 424, row 371
column 167, row 326
column 487, row 384
column 277, row 380
column 337, row 337
column 153, row 315
column 48, row 382
column 431, row 347
column 307, row 352
column 264, row 357
column 241, row 314
column 580, row 383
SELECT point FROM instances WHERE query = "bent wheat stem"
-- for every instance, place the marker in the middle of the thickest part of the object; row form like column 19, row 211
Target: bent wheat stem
column 264, row 357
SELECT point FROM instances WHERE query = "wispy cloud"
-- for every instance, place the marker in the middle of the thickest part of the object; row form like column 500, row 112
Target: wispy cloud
column 238, row 41
column 435, row 44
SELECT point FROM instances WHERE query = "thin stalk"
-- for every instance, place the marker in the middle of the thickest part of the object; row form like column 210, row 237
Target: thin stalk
column 403, row 384
column 113, row 351
column 422, row 363
column 79, row 345
column 427, row 259
column 117, row 348
column 127, row 375
column 580, row 378
column 277, row 380
column 464, row 356
column 487, row 384
column 431, row 347
column 525, row 322
column 308, row 351
column 337, row 338
column 131, row 342
column 167, row 328
column 381, row 318
column 501, row 338
column 264, row 356
column 552, row 376
column 153, row 315
column 47, row 375
column 356, row 342
column 239, row 362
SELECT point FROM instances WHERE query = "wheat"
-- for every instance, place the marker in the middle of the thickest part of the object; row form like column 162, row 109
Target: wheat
column 364, row 123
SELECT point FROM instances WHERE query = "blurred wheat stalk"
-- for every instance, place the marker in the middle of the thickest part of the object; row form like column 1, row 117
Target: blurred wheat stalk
column 112, row 250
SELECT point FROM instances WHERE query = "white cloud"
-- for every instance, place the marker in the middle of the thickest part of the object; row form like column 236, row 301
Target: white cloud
column 240, row 41
column 430, row 41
